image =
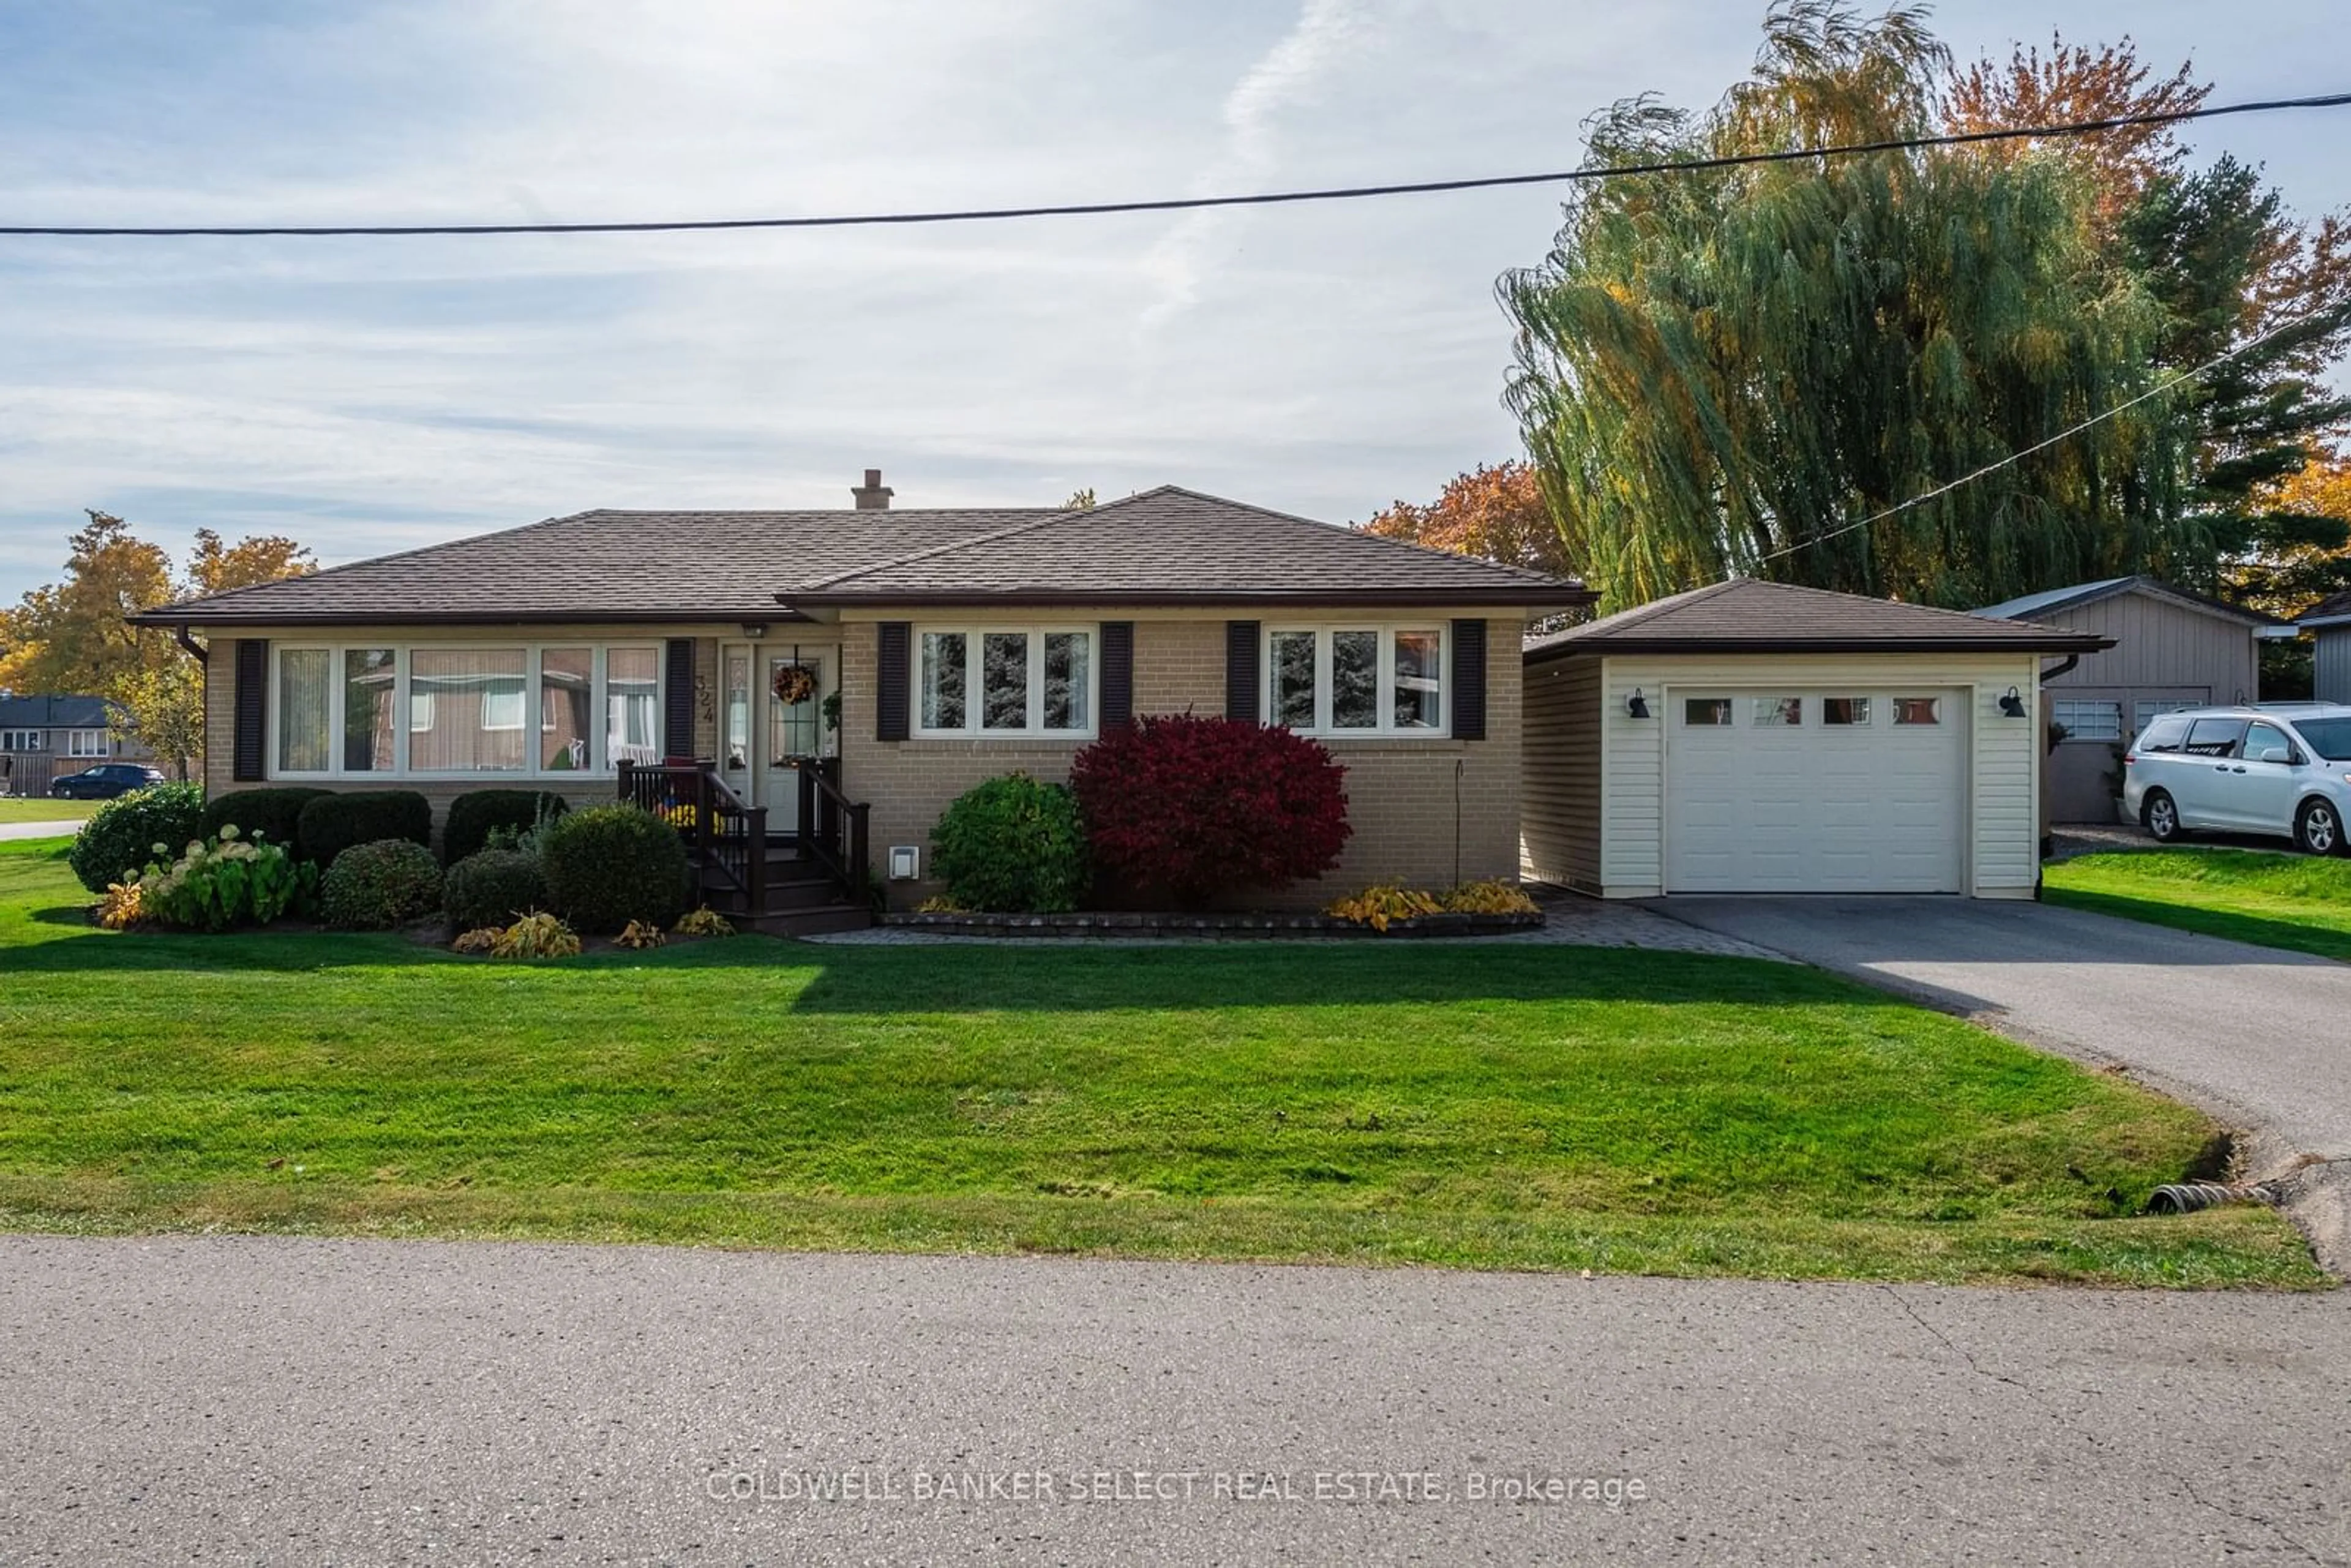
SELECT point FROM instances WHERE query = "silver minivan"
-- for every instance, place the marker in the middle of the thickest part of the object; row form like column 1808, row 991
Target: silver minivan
column 2285, row 769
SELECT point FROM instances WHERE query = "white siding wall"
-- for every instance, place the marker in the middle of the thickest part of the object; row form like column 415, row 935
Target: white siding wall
column 2003, row 847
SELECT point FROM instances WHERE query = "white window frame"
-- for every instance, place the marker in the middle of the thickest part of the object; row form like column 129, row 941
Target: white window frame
column 973, row 698
column 2059, row 708
column 1385, row 702
column 80, row 742
column 20, row 741
column 404, row 702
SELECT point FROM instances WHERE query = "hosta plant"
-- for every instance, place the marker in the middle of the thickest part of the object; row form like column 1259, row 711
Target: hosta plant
column 118, row 910
column 1378, row 906
column 636, row 934
column 535, row 935
column 705, row 921
column 481, row 940
column 1490, row 897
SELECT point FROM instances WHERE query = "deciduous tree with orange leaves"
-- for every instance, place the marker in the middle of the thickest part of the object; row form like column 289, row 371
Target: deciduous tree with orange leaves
column 1495, row 512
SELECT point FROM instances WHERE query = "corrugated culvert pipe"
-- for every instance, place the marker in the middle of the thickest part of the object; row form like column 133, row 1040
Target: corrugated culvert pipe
column 2188, row 1197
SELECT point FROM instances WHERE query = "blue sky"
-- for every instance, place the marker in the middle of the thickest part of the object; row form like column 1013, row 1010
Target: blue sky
column 366, row 395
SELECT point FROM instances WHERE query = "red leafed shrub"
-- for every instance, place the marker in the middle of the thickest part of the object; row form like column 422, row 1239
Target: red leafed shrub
column 1198, row 807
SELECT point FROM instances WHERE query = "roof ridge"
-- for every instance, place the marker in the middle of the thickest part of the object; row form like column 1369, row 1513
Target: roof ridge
column 838, row 578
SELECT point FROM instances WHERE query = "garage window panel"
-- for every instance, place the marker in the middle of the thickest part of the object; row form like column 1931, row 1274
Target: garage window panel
column 2086, row 718
column 1918, row 710
column 1843, row 711
column 1706, row 713
column 1779, row 710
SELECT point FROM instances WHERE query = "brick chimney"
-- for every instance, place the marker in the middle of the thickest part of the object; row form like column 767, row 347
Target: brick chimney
column 872, row 495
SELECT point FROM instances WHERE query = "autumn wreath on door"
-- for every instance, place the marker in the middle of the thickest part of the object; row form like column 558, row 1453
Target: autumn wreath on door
column 793, row 684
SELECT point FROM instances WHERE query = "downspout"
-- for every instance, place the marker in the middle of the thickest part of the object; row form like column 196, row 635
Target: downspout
column 202, row 656
column 2064, row 665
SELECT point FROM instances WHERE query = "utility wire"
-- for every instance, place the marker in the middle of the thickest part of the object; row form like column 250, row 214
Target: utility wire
column 2248, row 345
column 1185, row 204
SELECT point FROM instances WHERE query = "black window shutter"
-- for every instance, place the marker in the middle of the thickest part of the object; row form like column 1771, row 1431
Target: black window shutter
column 249, row 756
column 1240, row 670
column 893, row 679
column 1117, row 674
column 1469, row 680
column 677, row 699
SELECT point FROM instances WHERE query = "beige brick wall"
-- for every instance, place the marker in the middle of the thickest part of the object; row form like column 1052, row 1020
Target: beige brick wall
column 1404, row 798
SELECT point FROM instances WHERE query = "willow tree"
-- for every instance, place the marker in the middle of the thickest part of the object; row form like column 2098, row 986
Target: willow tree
column 1733, row 372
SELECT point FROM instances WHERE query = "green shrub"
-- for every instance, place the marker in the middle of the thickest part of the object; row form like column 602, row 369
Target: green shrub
column 380, row 884
column 333, row 823
column 227, row 881
column 1013, row 844
column 474, row 815
column 611, row 864
column 492, row 887
column 120, row 836
column 272, row 815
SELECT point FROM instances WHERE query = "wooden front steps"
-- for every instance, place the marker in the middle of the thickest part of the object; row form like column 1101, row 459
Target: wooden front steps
column 801, row 899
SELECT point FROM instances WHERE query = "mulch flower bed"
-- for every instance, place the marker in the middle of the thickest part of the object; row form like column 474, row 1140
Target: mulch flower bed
column 1127, row 924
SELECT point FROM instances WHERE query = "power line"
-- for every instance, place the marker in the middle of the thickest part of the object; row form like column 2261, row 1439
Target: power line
column 2248, row 345
column 1180, row 204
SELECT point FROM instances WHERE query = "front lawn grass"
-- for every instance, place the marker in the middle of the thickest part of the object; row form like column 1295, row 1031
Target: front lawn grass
column 1477, row 1106
column 2297, row 902
column 13, row 810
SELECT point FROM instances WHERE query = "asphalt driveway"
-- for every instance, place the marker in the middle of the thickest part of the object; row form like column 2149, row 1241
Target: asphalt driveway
column 2259, row 1036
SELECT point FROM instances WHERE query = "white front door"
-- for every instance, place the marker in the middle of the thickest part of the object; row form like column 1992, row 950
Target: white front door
column 788, row 703
column 1813, row 791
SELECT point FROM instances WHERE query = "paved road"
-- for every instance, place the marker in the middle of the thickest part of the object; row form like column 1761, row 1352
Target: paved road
column 275, row 1400
column 62, row 830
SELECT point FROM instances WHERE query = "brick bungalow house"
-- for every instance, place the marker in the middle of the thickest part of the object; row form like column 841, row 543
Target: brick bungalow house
column 866, row 666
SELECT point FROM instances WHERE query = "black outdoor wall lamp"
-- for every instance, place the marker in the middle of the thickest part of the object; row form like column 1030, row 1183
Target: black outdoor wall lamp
column 1637, row 706
column 2012, row 705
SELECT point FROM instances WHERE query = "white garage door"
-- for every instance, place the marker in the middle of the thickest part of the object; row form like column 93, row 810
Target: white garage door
column 1803, row 790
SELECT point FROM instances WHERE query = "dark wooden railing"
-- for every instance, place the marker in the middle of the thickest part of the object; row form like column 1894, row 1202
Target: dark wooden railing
column 832, row 827
column 728, row 838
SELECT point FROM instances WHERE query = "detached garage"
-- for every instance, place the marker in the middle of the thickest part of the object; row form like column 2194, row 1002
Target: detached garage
column 1758, row 738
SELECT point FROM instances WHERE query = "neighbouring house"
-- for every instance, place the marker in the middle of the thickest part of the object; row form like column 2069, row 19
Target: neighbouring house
column 42, row 737
column 2328, row 622
column 2172, row 649
column 1760, row 737
column 870, row 666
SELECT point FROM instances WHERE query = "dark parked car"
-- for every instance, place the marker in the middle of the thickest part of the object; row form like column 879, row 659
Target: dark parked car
column 105, row 781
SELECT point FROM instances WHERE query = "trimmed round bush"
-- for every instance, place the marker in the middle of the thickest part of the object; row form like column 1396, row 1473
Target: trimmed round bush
column 334, row 823
column 473, row 814
column 493, row 887
column 1194, row 807
column 611, row 864
column 122, row 835
column 380, row 884
column 1013, row 844
column 273, row 814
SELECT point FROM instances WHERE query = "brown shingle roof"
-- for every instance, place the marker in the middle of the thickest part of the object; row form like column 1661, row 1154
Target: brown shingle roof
column 1749, row 616
column 1167, row 545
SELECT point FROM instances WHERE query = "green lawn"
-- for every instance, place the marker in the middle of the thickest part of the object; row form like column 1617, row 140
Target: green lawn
column 45, row 811
column 1490, row 1107
column 2280, row 901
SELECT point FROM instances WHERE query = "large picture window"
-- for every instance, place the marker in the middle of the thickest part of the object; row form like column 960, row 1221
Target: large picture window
column 442, row 710
column 1357, row 680
column 1003, row 681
